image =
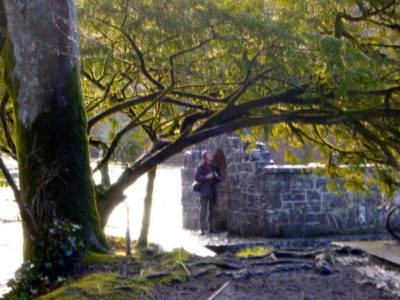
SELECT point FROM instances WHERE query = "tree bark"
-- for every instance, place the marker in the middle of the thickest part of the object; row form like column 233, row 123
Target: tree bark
column 148, row 200
column 41, row 57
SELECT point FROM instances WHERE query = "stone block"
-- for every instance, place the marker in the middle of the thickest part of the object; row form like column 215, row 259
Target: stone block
column 300, row 207
column 273, row 228
column 313, row 195
column 332, row 201
column 313, row 206
column 293, row 197
column 316, row 219
column 274, row 202
column 297, row 218
column 291, row 230
column 356, row 218
column 321, row 184
column 283, row 180
column 297, row 191
column 316, row 230
column 302, row 182
column 287, row 205
column 339, row 222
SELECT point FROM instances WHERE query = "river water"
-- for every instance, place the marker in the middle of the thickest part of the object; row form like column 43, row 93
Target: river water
column 165, row 229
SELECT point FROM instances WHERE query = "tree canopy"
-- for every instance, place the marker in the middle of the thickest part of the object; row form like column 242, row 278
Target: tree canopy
column 311, row 72
column 324, row 74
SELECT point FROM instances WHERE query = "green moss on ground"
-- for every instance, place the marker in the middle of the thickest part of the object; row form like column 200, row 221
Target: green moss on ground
column 101, row 286
column 156, row 267
column 254, row 251
column 102, row 258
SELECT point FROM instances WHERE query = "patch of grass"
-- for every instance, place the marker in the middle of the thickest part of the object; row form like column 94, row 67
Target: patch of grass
column 175, row 257
column 253, row 251
column 168, row 262
column 101, row 258
column 100, row 286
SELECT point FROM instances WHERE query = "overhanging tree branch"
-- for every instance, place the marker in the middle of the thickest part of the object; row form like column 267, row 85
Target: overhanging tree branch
column 135, row 122
column 136, row 101
column 119, row 107
column 110, row 150
column 310, row 116
column 288, row 97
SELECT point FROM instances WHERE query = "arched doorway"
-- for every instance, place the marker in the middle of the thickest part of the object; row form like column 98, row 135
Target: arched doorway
column 221, row 218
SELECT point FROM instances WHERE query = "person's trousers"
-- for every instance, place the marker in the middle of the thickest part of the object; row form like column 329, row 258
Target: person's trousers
column 207, row 209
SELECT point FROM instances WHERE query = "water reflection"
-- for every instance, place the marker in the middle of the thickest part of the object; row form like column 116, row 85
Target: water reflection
column 165, row 229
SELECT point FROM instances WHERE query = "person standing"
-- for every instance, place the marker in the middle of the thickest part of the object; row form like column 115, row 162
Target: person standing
column 208, row 175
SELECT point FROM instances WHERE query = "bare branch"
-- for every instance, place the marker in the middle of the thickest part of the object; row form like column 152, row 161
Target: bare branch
column 110, row 150
column 198, row 97
column 119, row 107
column 180, row 53
column 97, row 143
column 288, row 97
column 212, row 84
column 140, row 56
column 136, row 101
column 367, row 13
column 382, row 45
column 91, row 78
column 287, row 82
column 135, row 122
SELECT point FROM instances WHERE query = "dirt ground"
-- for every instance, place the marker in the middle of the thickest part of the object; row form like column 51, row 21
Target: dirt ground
column 352, row 279
column 332, row 272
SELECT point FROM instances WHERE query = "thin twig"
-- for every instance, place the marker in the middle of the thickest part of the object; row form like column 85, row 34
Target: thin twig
column 184, row 267
column 219, row 291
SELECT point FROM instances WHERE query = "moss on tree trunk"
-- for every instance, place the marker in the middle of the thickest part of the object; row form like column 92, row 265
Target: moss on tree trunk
column 54, row 171
column 52, row 146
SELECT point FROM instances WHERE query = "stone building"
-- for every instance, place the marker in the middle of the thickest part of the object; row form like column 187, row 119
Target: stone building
column 260, row 199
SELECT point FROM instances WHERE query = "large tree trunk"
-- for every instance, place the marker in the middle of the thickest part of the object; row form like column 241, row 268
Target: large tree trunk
column 42, row 77
column 148, row 200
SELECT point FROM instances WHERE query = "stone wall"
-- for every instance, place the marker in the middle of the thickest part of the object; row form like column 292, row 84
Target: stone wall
column 291, row 202
column 278, row 200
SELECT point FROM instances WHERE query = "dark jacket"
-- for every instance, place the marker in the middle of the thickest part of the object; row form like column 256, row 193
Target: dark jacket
column 208, row 186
